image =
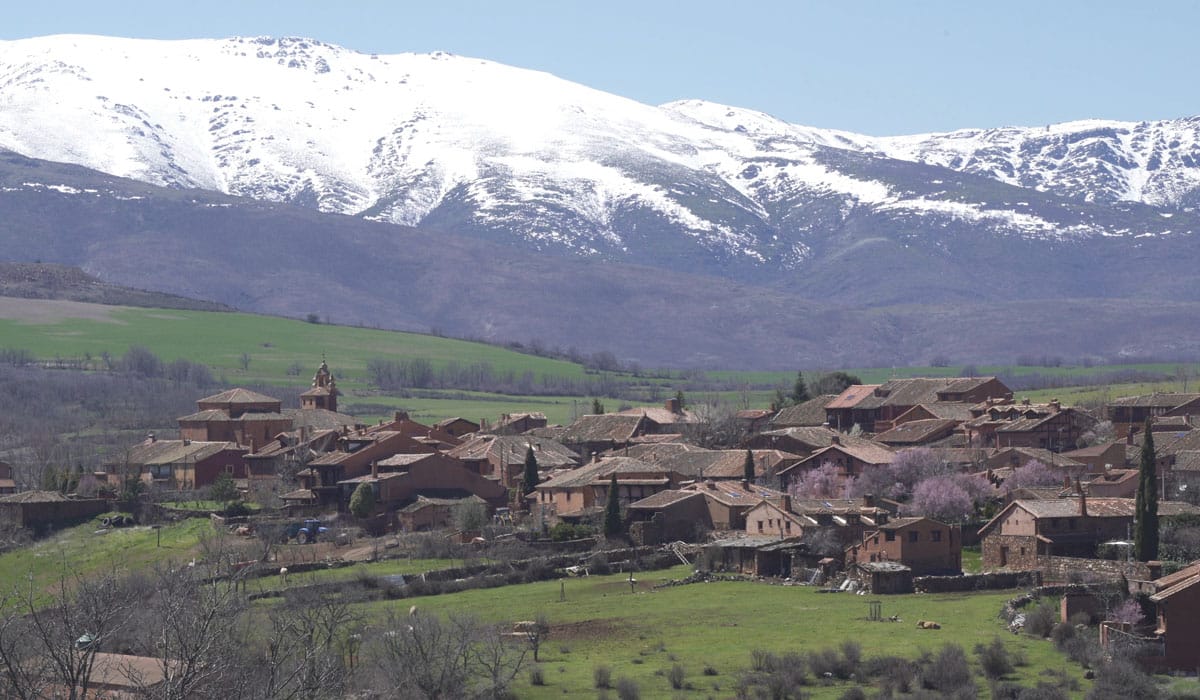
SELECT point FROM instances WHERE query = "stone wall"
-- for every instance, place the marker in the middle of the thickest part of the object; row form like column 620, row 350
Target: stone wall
column 978, row 582
column 51, row 514
column 1068, row 569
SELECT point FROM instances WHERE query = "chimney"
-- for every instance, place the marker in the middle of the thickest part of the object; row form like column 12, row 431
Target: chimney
column 186, row 442
column 1066, row 481
column 868, row 500
column 150, row 437
column 400, row 415
column 835, row 440
column 1025, row 402
column 745, row 485
column 304, row 434
column 1055, row 405
column 374, row 469
column 785, row 503
column 1082, row 499
column 672, row 405
column 252, row 446
column 1129, row 435
column 712, row 485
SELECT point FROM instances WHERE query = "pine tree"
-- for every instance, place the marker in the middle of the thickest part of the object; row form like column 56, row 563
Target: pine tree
column 612, row 511
column 800, row 390
column 1145, row 528
column 530, row 481
column 597, row 407
column 748, row 467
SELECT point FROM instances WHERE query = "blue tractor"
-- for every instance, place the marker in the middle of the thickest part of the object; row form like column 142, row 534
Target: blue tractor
column 305, row 532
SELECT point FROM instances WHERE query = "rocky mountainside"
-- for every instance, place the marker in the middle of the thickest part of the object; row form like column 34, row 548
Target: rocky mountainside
column 511, row 155
column 412, row 191
column 292, row 261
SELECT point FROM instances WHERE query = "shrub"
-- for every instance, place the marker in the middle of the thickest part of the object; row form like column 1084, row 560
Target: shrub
column 602, row 677
column 1061, row 634
column 237, row 509
column 598, row 565
column 1041, row 620
column 1122, row 679
column 853, row 693
column 627, row 689
column 537, row 676
column 994, row 659
column 709, row 670
column 947, row 672
column 675, row 676
column 1043, row 691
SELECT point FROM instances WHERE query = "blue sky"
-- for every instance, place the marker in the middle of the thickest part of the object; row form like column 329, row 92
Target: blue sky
column 879, row 68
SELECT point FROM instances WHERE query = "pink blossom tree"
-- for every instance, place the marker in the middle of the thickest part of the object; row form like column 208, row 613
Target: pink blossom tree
column 825, row 481
column 875, row 480
column 1034, row 473
column 1128, row 612
column 941, row 498
column 913, row 465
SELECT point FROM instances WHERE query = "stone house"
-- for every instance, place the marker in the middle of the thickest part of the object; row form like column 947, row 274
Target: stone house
column 1177, row 599
column 1025, row 530
column 7, row 484
column 502, row 457
column 875, row 408
column 458, row 427
column 924, row 545
column 583, row 491
column 1130, row 412
column 178, row 464
column 850, row 459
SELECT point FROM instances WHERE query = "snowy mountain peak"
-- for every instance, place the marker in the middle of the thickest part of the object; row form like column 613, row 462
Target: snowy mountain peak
column 508, row 153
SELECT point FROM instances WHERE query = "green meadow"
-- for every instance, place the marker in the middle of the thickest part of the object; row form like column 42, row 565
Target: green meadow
column 640, row 635
column 266, row 350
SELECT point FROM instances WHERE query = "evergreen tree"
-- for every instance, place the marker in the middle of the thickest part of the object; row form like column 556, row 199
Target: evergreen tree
column 748, row 467
column 223, row 490
column 530, row 481
column 597, row 407
column 612, row 511
column 800, row 390
column 1145, row 527
column 679, row 399
column 362, row 501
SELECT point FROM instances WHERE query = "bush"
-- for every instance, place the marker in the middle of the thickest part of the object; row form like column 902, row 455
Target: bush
column 237, row 509
column 1040, row 621
column 853, row 693
column 598, row 565
column 602, row 677
column 1061, row 634
column 947, row 672
column 709, row 670
column 675, row 676
column 627, row 689
column 1122, row 680
column 994, row 659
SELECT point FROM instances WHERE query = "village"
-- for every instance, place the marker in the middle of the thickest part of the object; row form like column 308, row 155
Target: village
column 859, row 492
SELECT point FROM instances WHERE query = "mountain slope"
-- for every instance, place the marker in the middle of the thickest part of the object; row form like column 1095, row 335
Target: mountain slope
column 290, row 260
column 512, row 155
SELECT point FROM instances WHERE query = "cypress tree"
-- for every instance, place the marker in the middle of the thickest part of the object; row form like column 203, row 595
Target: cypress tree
column 597, row 407
column 1145, row 527
column 800, row 390
column 612, row 511
column 530, row 480
column 748, row 467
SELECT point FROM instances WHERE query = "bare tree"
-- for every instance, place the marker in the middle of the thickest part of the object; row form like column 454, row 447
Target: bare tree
column 194, row 630
column 48, row 647
column 301, row 657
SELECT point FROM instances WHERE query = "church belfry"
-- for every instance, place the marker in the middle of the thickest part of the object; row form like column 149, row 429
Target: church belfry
column 324, row 391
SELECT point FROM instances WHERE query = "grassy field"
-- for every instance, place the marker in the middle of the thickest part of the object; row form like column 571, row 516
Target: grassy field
column 642, row 634
column 251, row 349
column 79, row 551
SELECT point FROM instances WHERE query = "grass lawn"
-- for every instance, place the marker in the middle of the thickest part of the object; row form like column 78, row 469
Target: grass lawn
column 390, row 567
column 642, row 635
column 78, row 551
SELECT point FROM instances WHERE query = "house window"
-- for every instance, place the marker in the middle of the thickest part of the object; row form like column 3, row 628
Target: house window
column 568, row 496
column 760, row 528
column 787, row 525
column 936, row 535
column 890, row 536
column 913, row 536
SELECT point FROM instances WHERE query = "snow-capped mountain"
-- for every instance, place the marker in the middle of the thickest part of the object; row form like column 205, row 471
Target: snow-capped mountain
column 509, row 154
